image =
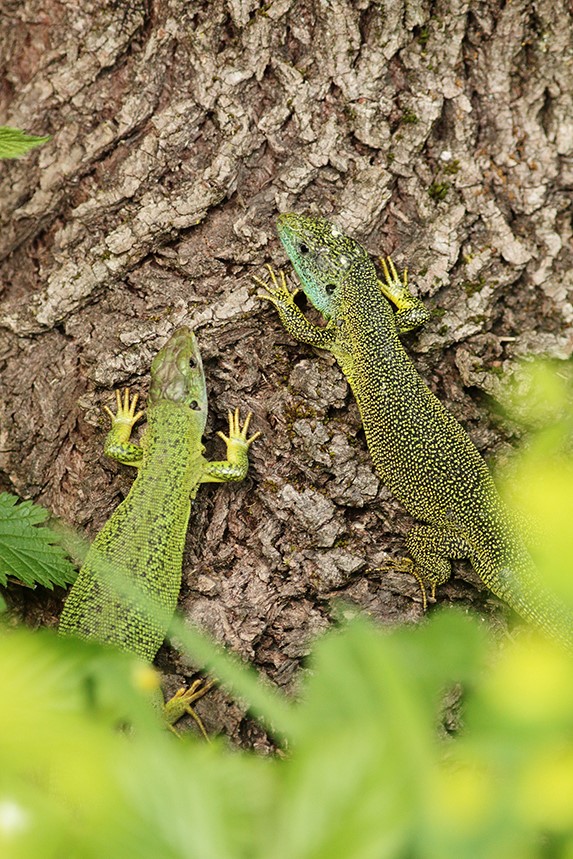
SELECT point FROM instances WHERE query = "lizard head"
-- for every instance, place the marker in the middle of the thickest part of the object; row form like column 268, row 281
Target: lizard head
column 321, row 255
column 177, row 372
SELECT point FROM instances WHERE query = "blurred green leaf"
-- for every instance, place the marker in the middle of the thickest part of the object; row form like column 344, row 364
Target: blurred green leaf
column 539, row 394
column 57, row 748
column 540, row 479
column 73, row 784
column 368, row 771
column 365, row 747
column 193, row 800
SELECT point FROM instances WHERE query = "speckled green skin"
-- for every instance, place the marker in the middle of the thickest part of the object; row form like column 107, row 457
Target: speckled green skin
column 420, row 451
column 127, row 589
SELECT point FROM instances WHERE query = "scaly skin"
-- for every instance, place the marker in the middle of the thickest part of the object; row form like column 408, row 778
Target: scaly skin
column 127, row 589
column 420, row 451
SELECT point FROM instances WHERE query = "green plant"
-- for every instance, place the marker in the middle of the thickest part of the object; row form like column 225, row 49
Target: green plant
column 368, row 769
column 15, row 142
column 30, row 552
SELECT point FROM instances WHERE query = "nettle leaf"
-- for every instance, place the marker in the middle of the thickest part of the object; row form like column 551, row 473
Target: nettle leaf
column 29, row 552
column 15, row 142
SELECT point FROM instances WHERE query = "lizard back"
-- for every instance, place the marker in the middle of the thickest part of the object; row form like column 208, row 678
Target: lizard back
column 127, row 589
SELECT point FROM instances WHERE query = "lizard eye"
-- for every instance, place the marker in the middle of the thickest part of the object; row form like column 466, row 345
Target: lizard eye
column 303, row 248
column 330, row 288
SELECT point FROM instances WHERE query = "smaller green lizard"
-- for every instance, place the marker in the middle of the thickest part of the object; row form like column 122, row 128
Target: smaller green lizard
column 419, row 449
column 127, row 589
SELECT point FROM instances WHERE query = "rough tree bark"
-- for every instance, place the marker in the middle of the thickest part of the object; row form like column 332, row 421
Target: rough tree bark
column 439, row 132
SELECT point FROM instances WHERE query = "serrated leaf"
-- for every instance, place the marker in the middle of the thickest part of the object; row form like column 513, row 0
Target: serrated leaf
column 26, row 510
column 15, row 142
column 28, row 552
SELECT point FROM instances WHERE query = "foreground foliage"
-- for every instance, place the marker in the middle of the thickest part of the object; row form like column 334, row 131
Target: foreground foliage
column 368, row 770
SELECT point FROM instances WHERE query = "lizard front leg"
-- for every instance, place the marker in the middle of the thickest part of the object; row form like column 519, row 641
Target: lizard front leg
column 410, row 311
column 117, row 444
column 235, row 467
column 292, row 317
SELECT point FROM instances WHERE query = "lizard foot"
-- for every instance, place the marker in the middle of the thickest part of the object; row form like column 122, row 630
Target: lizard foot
column 236, row 465
column 276, row 290
column 180, row 704
column 407, row 565
column 410, row 311
column 126, row 414
column 395, row 287
column 236, row 434
column 117, row 444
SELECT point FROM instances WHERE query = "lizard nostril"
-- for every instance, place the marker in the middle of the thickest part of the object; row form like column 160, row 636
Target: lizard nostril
column 330, row 288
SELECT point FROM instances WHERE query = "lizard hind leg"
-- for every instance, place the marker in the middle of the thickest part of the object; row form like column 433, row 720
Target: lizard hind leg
column 181, row 704
column 432, row 548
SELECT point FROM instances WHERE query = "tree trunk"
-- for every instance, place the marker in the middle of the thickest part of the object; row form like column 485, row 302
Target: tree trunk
column 440, row 133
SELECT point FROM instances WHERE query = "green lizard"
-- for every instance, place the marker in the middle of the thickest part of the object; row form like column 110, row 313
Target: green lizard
column 139, row 551
column 420, row 451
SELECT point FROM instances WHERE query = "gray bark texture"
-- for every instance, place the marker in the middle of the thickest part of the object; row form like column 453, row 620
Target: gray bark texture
column 440, row 133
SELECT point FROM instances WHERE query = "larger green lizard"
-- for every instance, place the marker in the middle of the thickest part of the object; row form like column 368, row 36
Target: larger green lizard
column 420, row 451
column 127, row 589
